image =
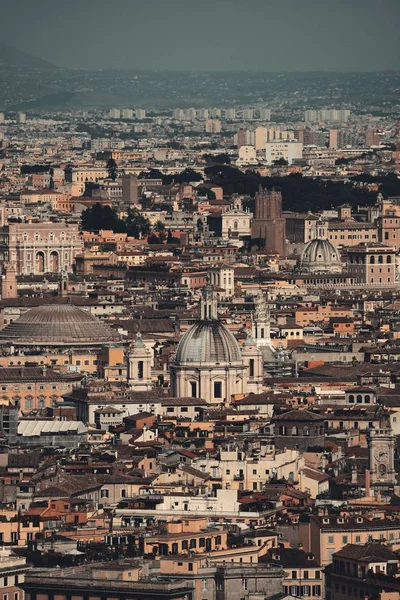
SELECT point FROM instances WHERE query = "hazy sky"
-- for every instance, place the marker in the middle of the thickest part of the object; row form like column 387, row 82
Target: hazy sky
column 278, row 35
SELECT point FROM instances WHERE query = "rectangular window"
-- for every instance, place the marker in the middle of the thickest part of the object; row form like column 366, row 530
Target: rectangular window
column 217, row 389
column 140, row 369
column 193, row 389
column 251, row 367
column 344, row 539
column 330, row 539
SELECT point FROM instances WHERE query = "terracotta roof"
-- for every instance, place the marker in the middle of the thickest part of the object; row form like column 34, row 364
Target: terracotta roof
column 374, row 552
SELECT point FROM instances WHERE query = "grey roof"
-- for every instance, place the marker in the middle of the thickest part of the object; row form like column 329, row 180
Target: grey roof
column 320, row 253
column 58, row 325
column 208, row 342
column 32, row 428
column 298, row 415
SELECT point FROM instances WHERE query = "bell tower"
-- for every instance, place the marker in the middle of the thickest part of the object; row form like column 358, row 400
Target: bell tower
column 208, row 305
column 381, row 452
column 252, row 358
column 261, row 328
column 63, row 284
column 9, row 282
column 139, row 366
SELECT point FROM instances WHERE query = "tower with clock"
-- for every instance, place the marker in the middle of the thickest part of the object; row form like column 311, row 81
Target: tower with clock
column 381, row 452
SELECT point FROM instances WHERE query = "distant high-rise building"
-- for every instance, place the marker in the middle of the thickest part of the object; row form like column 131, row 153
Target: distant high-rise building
column 248, row 114
column 115, row 113
column 21, row 117
column 260, row 137
column 230, row 114
column 333, row 138
column 179, row 114
column 344, row 115
column 270, row 134
column 310, row 115
column 215, row 113
column 2, row 117
column 140, row 113
column 130, row 190
column 202, row 114
column 334, row 115
column 190, row 114
column 321, row 138
column 372, row 138
column 326, row 114
column 127, row 113
column 213, row 126
column 247, row 155
column 244, row 137
column 288, row 150
column 265, row 114
column 268, row 223
column 299, row 134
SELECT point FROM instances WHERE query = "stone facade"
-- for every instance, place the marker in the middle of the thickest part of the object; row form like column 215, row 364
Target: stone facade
column 37, row 248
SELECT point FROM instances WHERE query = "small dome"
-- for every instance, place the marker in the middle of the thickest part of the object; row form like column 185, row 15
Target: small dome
column 208, row 342
column 58, row 325
column 320, row 256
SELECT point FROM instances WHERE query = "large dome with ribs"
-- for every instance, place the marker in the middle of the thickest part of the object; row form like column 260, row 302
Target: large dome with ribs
column 208, row 342
column 57, row 325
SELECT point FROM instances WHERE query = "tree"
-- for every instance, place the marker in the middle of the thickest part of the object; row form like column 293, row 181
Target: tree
column 203, row 191
column 280, row 162
column 171, row 239
column 136, row 224
column 112, row 169
column 159, row 226
column 101, row 217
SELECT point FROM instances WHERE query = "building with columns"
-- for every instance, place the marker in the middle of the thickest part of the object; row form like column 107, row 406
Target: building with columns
column 139, row 366
column 261, row 328
column 236, row 222
column 37, row 248
column 209, row 363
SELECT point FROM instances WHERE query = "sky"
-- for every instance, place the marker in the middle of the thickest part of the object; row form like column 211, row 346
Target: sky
column 207, row 35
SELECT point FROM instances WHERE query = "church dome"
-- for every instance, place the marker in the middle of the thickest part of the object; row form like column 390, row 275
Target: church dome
column 58, row 325
column 320, row 256
column 208, row 342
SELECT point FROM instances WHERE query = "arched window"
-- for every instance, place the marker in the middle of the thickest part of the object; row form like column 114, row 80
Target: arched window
column 380, row 259
column 359, row 399
column 54, row 262
column 351, row 399
column 372, row 260
column 235, row 225
column 40, row 262
column 388, row 260
column 306, row 431
column 295, row 431
column 367, row 399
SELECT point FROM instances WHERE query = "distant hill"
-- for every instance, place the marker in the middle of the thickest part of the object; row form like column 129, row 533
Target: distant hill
column 12, row 57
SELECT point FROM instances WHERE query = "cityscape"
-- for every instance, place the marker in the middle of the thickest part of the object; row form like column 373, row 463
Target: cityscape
column 199, row 304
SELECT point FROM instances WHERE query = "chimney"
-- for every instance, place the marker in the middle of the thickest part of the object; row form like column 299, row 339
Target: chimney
column 354, row 475
column 367, row 483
